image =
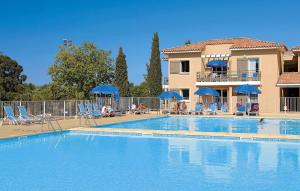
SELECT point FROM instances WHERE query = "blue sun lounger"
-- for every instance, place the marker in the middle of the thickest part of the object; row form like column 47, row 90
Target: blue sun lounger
column 241, row 110
column 212, row 109
column 198, row 109
column 82, row 111
column 10, row 115
column 92, row 112
column 25, row 117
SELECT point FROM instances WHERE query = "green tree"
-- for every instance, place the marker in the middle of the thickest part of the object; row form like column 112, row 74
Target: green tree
column 121, row 74
column 188, row 42
column 43, row 93
column 154, row 76
column 11, row 78
column 78, row 69
column 141, row 90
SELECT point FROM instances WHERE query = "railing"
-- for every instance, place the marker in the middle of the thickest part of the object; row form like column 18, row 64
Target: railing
column 165, row 81
column 228, row 76
column 69, row 108
column 290, row 104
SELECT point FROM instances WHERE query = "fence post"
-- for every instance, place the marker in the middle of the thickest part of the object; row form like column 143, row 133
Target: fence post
column 64, row 109
column 285, row 106
column 76, row 109
column 44, row 108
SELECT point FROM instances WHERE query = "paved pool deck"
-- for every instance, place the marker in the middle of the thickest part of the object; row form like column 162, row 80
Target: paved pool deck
column 7, row 131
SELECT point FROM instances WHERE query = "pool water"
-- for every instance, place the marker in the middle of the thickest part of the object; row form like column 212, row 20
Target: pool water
column 90, row 161
column 208, row 124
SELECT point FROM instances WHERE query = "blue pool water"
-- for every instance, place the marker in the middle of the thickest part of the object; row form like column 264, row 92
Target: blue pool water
column 87, row 162
column 206, row 124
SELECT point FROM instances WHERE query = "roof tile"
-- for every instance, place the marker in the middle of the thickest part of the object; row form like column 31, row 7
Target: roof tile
column 289, row 78
column 237, row 43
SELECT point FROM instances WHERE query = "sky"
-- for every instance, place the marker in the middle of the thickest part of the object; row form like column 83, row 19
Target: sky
column 31, row 31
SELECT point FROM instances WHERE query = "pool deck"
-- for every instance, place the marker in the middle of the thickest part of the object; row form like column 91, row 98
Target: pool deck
column 8, row 131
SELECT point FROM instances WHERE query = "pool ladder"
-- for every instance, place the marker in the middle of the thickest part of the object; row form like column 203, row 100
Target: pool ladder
column 88, row 121
column 54, row 124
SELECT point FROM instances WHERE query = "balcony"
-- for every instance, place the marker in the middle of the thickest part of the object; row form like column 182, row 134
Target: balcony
column 228, row 76
column 165, row 81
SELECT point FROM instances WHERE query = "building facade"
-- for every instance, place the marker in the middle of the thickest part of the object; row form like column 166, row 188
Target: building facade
column 226, row 63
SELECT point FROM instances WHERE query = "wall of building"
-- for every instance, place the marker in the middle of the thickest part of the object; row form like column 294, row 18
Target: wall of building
column 182, row 81
column 270, row 67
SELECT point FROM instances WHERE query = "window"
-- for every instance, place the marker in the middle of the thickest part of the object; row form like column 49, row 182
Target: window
column 253, row 65
column 185, row 94
column 185, row 66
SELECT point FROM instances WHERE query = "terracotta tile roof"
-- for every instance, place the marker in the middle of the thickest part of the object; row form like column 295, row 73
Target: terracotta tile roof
column 237, row 43
column 297, row 48
column 289, row 78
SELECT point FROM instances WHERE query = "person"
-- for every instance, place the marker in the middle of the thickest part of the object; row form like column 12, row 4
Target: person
column 240, row 103
column 142, row 108
column 183, row 107
column 110, row 112
column 176, row 108
column 262, row 120
column 104, row 111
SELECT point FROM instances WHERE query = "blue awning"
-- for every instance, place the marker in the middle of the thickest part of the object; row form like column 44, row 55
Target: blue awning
column 217, row 64
column 170, row 95
column 108, row 90
column 247, row 89
column 207, row 92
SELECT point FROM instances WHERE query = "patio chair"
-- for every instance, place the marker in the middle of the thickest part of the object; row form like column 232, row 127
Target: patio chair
column 198, row 109
column 25, row 116
column 244, row 76
column 10, row 115
column 212, row 109
column 224, row 108
column 241, row 110
column 254, row 109
column 91, row 112
column 82, row 111
column 255, row 76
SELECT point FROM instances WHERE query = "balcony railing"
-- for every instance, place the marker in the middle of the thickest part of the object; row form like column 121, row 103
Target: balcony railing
column 165, row 81
column 290, row 104
column 228, row 76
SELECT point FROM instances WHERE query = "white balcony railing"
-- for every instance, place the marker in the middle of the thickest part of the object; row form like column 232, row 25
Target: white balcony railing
column 229, row 76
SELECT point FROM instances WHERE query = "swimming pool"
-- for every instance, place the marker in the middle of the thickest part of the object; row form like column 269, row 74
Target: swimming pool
column 215, row 124
column 91, row 161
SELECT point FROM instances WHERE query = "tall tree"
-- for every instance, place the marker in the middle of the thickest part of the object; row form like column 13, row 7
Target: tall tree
column 121, row 74
column 11, row 78
column 154, row 76
column 78, row 69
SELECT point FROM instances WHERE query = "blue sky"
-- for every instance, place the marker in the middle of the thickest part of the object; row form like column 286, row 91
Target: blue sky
column 32, row 30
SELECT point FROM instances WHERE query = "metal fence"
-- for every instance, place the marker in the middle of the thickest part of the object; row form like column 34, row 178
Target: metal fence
column 290, row 104
column 69, row 108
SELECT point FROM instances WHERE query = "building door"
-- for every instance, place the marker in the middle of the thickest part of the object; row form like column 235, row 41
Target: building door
column 222, row 99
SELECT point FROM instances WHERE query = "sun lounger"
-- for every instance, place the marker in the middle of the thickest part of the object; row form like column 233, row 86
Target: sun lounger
column 91, row 112
column 10, row 115
column 198, row 109
column 25, row 116
column 82, row 111
column 241, row 110
column 224, row 108
column 254, row 109
column 212, row 109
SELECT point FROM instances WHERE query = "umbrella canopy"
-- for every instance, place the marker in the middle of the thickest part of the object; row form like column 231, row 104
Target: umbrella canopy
column 170, row 95
column 217, row 63
column 247, row 89
column 207, row 92
column 107, row 89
